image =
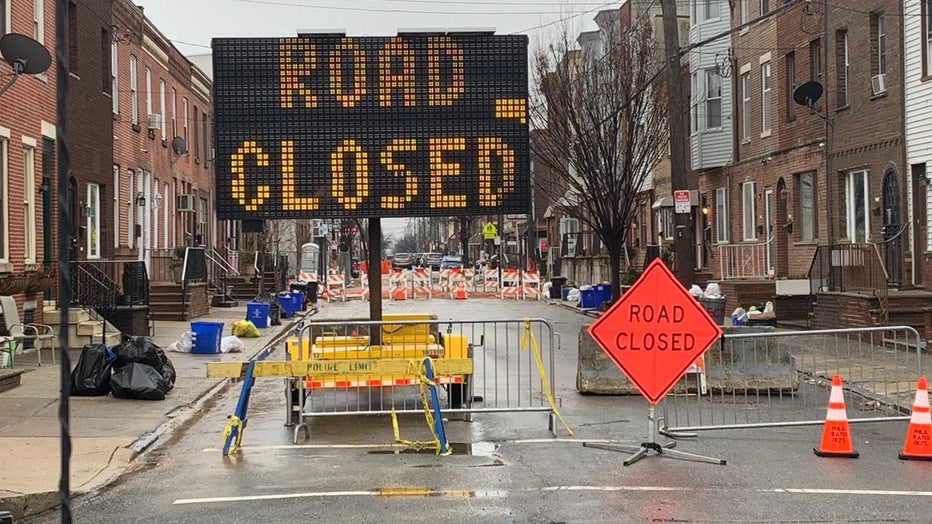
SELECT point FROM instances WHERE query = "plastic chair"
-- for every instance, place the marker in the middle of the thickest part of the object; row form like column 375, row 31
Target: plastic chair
column 19, row 332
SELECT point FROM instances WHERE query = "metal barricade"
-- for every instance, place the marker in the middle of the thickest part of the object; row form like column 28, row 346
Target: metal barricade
column 512, row 365
column 761, row 377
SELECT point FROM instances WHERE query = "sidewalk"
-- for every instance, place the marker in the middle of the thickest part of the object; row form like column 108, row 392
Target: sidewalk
column 107, row 433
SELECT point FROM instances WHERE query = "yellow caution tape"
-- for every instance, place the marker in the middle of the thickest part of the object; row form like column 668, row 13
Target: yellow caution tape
column 233, row 422
column 416, row 368
column 527, row 335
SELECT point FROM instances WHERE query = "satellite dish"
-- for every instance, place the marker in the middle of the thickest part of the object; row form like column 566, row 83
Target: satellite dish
column 179, row 146
column 24, row 54
column 807, row 94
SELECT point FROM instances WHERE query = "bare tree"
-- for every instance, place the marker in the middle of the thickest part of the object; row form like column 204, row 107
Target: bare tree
column 601, row 112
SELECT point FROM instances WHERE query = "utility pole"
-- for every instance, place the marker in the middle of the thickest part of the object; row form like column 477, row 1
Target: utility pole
column 683, row 236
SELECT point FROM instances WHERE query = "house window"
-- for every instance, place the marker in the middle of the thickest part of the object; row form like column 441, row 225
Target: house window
column 746, row 107
column 174, row 112
column 38, row 21
column 29, row 202
column 805, row 206
column 709, row 10
column 878, row 38
column 841, row 68
column 72, row 34
column 4, row 17
column 162, row 105
column 197, row 137
column 114, row 83
column 693, row 105
column 745, row 8
column 790, row 86
column 721, row 215
column 927, row 32
column 665, row 219
column 713, row 100
column 764, row 7
column 815, row 60
column 128, row 203
column 116, row 205
column 856, row 206
column 148, row 91
column 569, row 229
column 766, row 92
column 133, row 91
column 4, row 190
column 93, row 220
column 106, row 62
column 748, row 212
column 184, row 120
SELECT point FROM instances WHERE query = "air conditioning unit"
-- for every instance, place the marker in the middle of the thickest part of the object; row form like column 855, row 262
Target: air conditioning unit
column 185, row 202
column 154, row 121
column 879, row 84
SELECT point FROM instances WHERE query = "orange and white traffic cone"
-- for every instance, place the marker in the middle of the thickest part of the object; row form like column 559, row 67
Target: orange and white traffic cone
column 918, row 445
column 459, row 293
column 836, row 439
column 399, row 294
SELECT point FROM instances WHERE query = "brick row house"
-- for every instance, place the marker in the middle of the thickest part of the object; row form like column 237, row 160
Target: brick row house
column 27, row 164
column 139, row 135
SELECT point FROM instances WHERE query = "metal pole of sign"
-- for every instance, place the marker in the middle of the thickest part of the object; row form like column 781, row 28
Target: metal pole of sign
column 663, row 450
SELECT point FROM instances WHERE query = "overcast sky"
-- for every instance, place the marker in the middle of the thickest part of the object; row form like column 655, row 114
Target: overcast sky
column 190, row 24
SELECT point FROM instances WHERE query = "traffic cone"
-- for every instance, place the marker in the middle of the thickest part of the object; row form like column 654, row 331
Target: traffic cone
column 836, row 439
column 918, row 445
column 459, row 293
column 399, row 294
column 325, row 296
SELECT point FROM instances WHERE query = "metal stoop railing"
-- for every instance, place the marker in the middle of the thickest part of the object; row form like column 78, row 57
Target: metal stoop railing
column 856, row 268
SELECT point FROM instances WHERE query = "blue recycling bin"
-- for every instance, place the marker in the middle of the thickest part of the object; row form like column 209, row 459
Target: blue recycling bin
column 286, row 303
column 205, row 337
column 587, row 298
column 603, row 293
column 258, row 314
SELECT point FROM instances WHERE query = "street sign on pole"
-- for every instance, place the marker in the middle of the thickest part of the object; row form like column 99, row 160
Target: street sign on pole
column 489, row 231
column 655, row 331
column 681, row 201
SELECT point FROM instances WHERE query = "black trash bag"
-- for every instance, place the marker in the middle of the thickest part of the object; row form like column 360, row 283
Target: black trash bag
column 91, row 376
column 275, row 314
column 139, row 350
column 168, row 373
column 139, row 381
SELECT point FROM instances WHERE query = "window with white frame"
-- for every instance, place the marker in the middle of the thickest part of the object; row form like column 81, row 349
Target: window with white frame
column 29, row 202
column 174, row 112
column 4, row 192
column 708, row 10
column 748, row 212
column 694, row 105
column 4, row 17
column 764, row 7
column 184, row 120
column 569, row 227
column 856, row 206
column 162, row 106
column 927, row 37
column 38, row 21
column 805, row 202
column 133, row 90
column 746, row 107
column 745, row 7
column 721, row 215
column 148, row 91
column 116, row 205
column 766, row 94
column 713, row 99
column 92, row 206
column 665, row 219
column 114, row 83
column 880, row 43
column 202, row 221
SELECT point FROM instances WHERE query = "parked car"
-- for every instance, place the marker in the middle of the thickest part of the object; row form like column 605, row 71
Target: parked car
column 433, row 260
column 403, row 261
column 451, row 262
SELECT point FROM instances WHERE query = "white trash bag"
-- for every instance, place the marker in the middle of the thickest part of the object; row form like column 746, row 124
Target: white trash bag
column 695, row 291
column 232, row 344
column 184, row 345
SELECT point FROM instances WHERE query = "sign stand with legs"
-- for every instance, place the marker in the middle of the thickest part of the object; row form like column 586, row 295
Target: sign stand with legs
column 664, row 450
column 654, row 333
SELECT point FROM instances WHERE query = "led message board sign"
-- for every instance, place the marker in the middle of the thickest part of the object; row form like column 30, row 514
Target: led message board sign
column 333, row 126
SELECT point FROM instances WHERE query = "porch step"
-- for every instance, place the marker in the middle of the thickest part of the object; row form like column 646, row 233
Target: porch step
column 82, row 330
column 76, row 315
column 89, row 328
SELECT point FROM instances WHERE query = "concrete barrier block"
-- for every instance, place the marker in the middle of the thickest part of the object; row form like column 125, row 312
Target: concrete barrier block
column 750, row 364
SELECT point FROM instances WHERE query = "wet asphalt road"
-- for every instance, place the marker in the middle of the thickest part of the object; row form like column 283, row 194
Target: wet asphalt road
column 507, row 467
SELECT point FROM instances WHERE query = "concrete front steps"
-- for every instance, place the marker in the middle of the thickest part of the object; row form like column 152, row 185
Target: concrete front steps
column 82, row 329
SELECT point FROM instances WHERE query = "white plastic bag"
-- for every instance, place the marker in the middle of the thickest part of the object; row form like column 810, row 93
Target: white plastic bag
column 768, row 307
column 695, row 291
column 572, row 295
column 232, row 344
column 184, row 345
column 712, row 290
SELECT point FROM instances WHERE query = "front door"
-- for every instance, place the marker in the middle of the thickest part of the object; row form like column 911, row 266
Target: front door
column 769, row 229
column 920, row 193
column 892, row 230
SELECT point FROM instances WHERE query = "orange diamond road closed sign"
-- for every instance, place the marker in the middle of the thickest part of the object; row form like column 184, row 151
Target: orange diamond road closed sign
column 655, row 331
